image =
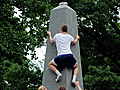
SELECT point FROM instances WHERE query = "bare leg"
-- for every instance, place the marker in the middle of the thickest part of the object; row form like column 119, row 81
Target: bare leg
column 53, row 68
column 76, row 68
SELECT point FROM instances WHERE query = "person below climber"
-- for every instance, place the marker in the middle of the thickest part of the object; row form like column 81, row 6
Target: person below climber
column 42, row 88
column 65, row 55
column 63, row 88
column 60, row 87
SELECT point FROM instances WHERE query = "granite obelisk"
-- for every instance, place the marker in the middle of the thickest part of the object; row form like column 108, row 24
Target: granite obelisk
column 62, row 15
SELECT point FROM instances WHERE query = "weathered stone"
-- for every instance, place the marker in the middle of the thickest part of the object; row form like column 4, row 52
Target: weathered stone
column 62, row 15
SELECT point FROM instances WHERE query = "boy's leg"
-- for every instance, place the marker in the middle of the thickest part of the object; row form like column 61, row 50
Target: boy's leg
column 76, row 68
column 53, row 68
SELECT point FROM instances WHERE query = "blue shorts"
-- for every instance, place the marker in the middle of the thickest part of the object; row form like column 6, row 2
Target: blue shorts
column 65, row 60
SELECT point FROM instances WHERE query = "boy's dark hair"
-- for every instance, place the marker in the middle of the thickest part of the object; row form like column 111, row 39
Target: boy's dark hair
column 64, row 28
column 62, row 88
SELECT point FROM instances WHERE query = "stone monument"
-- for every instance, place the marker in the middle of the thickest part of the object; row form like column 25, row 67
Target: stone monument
column 62, row 15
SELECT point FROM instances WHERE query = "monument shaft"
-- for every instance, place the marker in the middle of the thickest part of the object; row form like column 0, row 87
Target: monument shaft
column 62, row 15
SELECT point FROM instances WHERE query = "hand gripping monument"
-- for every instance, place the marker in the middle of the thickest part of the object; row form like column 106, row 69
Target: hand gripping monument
column 62, row 15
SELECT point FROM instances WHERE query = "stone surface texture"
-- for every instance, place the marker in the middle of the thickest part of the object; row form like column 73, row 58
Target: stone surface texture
column 62, row 15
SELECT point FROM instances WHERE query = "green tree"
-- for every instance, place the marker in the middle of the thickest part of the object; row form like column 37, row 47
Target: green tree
column 100, row 40
column 16, row 41
column 100, row 78
column 99, row 30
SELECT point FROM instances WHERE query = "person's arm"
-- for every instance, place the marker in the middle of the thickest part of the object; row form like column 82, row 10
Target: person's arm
column 75, row 41
column 51, row 39
column 77, row 83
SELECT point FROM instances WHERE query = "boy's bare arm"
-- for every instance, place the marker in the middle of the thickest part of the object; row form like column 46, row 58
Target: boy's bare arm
column 75, row 41
column 51, row 39
column 77, row 83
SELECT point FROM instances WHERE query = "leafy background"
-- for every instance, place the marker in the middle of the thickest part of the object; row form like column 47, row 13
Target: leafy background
column 98, row 27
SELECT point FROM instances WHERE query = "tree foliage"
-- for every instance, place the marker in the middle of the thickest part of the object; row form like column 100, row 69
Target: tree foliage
column 16, row 41
column 100, row 40
column 100, row 78
column 99, row 29
column 101, row 32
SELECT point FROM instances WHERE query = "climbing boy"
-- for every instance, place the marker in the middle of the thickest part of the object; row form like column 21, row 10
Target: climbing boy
column 65, row 55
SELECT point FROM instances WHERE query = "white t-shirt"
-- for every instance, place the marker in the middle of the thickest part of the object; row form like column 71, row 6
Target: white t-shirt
column 63, row 42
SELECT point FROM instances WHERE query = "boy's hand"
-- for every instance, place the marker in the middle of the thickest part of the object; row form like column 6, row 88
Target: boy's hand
column 49, row 33
column 77, row 37
column 51, row 39
column 77, row 83
column 75, row 41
